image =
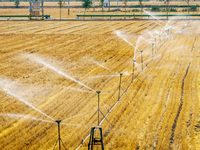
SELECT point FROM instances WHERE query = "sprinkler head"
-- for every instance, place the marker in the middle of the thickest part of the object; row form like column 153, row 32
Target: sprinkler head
column 121, row 74
column 141, row 51
column 58, row 121
column 134, row 60
column 98, row 92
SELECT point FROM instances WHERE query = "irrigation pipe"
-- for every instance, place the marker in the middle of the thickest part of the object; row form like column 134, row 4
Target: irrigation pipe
column 113, row 106
column 111, row 109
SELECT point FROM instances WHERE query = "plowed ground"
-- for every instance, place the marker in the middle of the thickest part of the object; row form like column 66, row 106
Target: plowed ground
column 160, row 109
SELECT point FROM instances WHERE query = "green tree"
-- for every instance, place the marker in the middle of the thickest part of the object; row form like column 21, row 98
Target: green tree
column 61, row 4
column 101, row 4
column 188, row 3
column 167, row 3
column 125, row 3
column 141, row 5
column 86, row 4
column 17, row 3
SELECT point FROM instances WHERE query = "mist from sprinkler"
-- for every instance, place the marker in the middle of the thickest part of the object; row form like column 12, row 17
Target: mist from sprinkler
column 147, row 12
column 122, row 37
column 25, row 102
column 78, row 90
column 25, row 117
column 41, row 61
column 98, row 64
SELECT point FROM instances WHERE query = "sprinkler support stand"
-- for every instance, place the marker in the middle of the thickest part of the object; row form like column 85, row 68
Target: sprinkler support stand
column 98, row 92
column 98, row 111
column 59, row 139
column 120, row 85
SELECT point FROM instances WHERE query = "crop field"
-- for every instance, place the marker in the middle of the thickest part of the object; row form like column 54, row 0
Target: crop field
column 54, row 11
column 51, row 71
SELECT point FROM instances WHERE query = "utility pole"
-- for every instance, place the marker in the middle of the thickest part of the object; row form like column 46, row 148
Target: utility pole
column 117, row 5
column 42, row 9
column 68, row 8
column 94, row 5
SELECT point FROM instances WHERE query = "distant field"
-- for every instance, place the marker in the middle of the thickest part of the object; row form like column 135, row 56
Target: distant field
column 159, row 110
column 55, row 12
column 96, row 3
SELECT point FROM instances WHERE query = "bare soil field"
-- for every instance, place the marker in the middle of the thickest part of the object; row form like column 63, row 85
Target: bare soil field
column 50, row 71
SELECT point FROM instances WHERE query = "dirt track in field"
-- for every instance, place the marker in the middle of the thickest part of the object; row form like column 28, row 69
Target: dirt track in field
column 54, row 67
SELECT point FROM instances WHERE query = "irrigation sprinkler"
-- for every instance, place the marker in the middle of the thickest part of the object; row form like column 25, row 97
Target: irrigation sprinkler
column 120, row 85
column 97, row 140
column 133, row 70
column 59, row 138
column 155, row 45
column 141, row 60
column 152, row 49
column 98, row 111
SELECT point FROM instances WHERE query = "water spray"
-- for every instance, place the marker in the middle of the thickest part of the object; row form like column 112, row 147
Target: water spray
column 59, row 138
column 97, row 140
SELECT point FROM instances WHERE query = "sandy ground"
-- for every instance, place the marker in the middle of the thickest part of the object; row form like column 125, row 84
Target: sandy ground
column 50, row 71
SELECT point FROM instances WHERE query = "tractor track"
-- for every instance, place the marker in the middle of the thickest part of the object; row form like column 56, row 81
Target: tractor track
column 179, row 109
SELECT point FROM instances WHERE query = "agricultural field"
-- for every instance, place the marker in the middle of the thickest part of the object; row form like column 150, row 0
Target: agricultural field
column 51, row 71
column 54, row 11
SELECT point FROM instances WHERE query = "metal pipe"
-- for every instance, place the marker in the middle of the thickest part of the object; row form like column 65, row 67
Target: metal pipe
column 98, row 92
column 59, row 139
column 120, row 85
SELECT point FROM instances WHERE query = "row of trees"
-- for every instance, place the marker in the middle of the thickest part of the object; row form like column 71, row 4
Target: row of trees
column 88, row 4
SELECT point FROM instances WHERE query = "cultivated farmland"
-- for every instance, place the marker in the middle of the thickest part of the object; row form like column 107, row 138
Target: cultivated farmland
column 50, row 71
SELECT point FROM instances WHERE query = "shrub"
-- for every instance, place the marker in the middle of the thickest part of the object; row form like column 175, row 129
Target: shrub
column 135, row 10
column 193, row 8
column 184, row 10
column 155, row 8
column 173, row 9
column 17, row 3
